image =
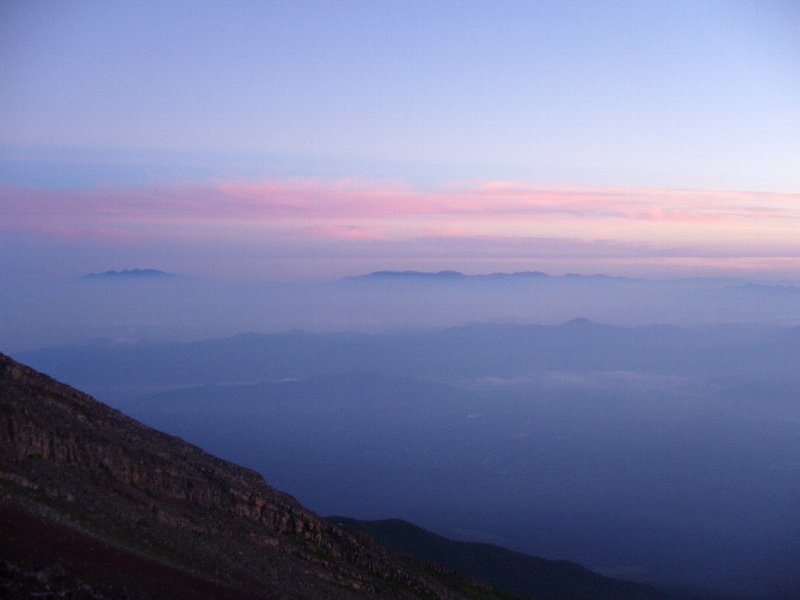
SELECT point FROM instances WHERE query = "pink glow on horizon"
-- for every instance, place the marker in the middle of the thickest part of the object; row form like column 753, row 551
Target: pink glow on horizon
column 76, row 233
column 346, row 232
column 474, row 218
column 273, row 200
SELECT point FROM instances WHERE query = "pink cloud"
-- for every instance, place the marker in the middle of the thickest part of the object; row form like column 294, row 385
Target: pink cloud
column 345, row 232
column 359, row 210
column 72, row 232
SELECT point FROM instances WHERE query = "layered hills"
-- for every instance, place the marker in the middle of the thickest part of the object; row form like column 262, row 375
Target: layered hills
column 449, row 276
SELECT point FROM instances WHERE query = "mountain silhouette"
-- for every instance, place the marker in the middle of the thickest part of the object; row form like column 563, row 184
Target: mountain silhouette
column 128, row 275
column 96, row 505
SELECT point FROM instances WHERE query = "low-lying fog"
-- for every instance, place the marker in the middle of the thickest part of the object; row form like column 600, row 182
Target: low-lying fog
column 36, row 314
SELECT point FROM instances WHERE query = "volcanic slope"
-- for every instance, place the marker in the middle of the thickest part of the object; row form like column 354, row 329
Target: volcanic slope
column 94, row 505
column 527, row 576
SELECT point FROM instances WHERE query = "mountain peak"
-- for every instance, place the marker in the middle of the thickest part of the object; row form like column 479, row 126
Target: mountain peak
column 411, row 275
column 579, row 322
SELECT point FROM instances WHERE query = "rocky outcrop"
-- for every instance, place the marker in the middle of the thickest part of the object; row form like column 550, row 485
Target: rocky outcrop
column 73, row 463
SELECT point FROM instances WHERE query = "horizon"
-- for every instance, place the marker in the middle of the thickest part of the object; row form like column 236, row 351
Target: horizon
column 131, row 271
column 312, row 141
column 440, row 276
column 311, row 230
column 143, row 307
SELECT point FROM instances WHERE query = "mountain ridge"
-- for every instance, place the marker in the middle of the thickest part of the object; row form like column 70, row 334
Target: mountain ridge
column 450, row 276
column 129, row 275
column 518, row 573
column 447, row 354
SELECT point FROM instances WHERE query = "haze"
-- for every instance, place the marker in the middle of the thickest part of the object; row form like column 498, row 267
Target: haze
column 520, row 272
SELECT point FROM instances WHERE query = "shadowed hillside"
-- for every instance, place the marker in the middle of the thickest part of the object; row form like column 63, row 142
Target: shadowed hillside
column 94, row 504
column 527, row 576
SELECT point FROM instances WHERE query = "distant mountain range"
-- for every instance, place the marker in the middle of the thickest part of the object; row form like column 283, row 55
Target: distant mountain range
column 451, row 354
column 96, row 505
column 727, row 284
column 383, row 276
column 128, row 274
column 767, row 289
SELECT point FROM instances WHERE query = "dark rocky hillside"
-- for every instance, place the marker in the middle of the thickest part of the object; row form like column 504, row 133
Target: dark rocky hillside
column 95, row 505
column 527, row 576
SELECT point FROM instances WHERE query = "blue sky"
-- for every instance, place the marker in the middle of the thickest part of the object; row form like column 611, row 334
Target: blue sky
column 396, row 95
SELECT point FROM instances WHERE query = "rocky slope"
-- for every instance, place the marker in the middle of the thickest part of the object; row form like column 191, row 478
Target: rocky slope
column 527, row 576
column 94, row 504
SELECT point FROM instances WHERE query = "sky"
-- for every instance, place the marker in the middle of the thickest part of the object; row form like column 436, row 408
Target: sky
column 311, row 140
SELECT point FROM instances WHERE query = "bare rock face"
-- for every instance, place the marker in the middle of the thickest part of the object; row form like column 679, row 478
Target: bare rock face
column 116, row 509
